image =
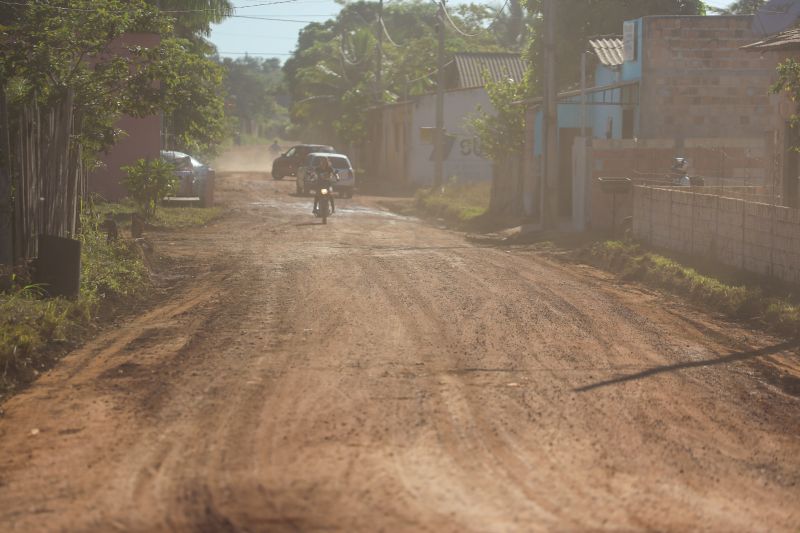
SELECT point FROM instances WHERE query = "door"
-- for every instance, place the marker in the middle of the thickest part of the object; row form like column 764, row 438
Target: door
column 566, row 138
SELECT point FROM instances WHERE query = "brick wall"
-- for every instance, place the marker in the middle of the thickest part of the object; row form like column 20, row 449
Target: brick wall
column 756, row 237
column 696, row 82
column 736, row 162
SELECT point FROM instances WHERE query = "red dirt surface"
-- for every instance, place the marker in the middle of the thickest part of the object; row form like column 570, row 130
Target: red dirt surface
column 380, row 374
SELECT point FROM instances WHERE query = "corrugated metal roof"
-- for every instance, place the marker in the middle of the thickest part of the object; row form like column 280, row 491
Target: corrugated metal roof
column 608, row 50
column 471, row 65
column 786, row 40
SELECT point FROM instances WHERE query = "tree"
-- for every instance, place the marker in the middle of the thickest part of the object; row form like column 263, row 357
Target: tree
column 578, row 20
column 331, row 77
column 67, row 86
column 502, row 136
column 253, row 86
column 740, row 7
column 788, row 82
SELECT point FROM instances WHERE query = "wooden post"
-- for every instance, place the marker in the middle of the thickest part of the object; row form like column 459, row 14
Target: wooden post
column 549, row 209
column 439, row 131
column 6, row 189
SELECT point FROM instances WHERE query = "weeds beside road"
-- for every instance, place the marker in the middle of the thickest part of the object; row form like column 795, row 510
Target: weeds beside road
column 36, row 331
column 765, row 302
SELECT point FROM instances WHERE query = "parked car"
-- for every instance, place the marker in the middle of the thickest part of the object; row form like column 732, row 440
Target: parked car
column 347, row 177
column 288, row 163
column 196, row 178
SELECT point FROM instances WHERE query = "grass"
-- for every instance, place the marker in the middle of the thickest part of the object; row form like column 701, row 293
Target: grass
column 457, row 204
column 112, row 273
column 164, row 218
column 35, row 330
column 736, row 300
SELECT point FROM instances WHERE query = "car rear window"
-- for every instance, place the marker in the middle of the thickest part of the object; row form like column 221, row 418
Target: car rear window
column 339, row 163
column 320, row 148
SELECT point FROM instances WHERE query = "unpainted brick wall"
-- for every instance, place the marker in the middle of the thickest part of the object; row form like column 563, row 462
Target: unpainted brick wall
column 648, row 161
column 756, row 237
column 698, row 82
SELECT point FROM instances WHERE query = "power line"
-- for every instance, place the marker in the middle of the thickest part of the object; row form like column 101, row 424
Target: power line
column 431, row 73
column 386, row 33
column 453, row 24
column 249, row 17
column 270, row 54
column 117, row 12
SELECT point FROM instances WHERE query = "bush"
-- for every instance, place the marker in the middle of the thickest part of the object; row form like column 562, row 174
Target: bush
column 148, row 181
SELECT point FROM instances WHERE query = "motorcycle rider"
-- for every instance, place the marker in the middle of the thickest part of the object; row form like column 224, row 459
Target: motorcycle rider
column 325, row 176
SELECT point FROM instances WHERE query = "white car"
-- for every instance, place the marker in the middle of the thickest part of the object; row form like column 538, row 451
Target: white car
column 347, row 177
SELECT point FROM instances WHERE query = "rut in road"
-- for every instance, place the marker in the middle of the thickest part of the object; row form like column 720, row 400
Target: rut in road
column 377, row 373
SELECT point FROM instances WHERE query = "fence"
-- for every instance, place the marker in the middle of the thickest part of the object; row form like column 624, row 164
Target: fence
column 756, row 237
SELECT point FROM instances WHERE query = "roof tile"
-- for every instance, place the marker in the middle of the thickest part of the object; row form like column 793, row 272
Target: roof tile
column 609, row 50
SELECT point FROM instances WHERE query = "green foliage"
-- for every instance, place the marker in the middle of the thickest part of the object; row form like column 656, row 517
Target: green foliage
column 789, row 82
column 148, row 181
column 196, row 16
column 331, row 77
column 253, row 86
column 502, row 134
column 739, row 7
column 111, row 272
column 578, row 20
column 193, row 97
column 47, row 53
column 738, row 301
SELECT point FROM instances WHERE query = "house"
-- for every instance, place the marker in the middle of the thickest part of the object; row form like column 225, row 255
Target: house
column 669, row 86
column 774, row 50
column 141, row 137
column 399, row 147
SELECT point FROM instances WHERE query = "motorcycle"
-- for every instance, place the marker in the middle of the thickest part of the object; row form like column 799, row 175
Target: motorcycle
column 324, row 199
column 324, row 204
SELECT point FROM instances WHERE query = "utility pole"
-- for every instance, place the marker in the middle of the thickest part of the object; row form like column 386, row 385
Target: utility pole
column 6, row 200
column 549, row 211
column 379, row 62
column 438, row 139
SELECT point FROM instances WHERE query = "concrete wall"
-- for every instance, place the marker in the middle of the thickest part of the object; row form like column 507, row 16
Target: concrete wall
column 756, row 237
column 465, row 160
column 696, row 82
column 387, row 144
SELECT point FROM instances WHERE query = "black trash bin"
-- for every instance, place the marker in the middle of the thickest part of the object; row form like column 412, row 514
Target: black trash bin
column 58, row 267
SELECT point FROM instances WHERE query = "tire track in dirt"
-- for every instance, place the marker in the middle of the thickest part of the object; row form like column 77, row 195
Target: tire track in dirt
column 377, row 373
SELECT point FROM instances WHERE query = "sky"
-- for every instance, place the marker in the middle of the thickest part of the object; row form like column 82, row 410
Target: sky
column 277, row 38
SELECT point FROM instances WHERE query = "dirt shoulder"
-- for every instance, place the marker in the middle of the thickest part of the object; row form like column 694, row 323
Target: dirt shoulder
column 378, row 373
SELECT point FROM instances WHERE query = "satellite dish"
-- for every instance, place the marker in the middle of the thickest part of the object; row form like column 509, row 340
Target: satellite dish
column 776, row 16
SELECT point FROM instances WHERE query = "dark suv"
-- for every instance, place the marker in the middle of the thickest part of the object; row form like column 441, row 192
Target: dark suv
column 288, row 163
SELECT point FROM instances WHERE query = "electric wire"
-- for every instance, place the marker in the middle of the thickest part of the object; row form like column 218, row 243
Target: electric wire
column 453, row 24
column 116, row 12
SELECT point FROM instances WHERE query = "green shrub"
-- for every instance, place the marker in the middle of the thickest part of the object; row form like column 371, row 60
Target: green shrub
column 148, row 181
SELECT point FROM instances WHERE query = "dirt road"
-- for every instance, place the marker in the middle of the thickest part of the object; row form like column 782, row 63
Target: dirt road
column 380, row 374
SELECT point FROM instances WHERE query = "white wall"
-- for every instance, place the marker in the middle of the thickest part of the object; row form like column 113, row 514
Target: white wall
column 463, row 161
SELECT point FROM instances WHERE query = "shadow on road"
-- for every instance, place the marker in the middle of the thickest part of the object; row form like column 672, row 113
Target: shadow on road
column 732, row 358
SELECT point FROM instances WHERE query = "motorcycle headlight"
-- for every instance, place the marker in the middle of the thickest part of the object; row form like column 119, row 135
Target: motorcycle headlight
column 324, row 191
